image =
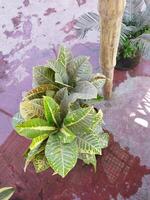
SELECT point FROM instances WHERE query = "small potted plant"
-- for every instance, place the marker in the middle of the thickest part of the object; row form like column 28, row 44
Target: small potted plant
column 59, row 117
column 135, row 33
column 128, row 55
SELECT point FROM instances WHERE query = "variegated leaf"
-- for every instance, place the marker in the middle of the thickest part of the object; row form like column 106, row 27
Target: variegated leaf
column 64, row 56
column 52, row 110
column 52, row 64
column 73, row 117
column 32, row 153
column 83, row 68
column 88, row 159
column 61, row 76
column 104, row 139
column 65, row 135
column 34, row 128
column 43, row 75
column 98, row 81
column 40, row 162
column 40, row 91
column 32, row 109
column 83, row 90
column 80, row 118
column 59, row 96
column 61, row 157
column 37, row 141
column 88, row 143
column 6, row 193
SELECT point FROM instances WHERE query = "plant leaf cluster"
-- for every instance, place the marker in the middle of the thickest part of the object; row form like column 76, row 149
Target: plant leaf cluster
column 135, row 28
column 58, row 115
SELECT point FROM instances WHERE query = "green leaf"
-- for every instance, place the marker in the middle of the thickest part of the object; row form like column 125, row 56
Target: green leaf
column 64, row 56
column 76, row 117
column 93, row 101
column 61, row 98
column 83, row 90
column 37, row 141
column 43, row 75
column 83, row 68
column 72, row 73
column 52, row 110
column 50, row 93
column 82, row 123
column 104, row 139
column 32, row 109
column 98, row 81
column 40, row 91
column 61, row 94
column 6, row 193
column 60, row 66
column 52, row 64
column 60, row 70
column 31, row 154
column 66, row 136
column 88, row 143
column 88, row 159
column 61, row 157
column 17, row 119
column 98, row 118
column 61, row 77
column 85, row 120
column 40, row 162
column 34, row 128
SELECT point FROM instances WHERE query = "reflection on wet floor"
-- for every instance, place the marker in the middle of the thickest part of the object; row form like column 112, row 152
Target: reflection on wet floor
column 118, row 173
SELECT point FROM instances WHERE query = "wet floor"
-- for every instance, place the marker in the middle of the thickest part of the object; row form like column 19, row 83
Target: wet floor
column 30, row 34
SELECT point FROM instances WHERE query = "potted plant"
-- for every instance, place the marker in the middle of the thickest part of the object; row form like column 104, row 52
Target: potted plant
column 128, row 55
column 58, row 116
column 135, row 34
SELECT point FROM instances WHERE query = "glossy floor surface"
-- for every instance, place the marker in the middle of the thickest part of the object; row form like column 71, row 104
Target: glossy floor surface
column 30, row 33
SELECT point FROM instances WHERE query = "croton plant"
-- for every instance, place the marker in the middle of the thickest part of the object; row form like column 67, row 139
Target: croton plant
column 59, row 117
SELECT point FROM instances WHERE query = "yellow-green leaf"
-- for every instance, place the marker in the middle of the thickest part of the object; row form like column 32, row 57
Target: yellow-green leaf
column 66, row 135
column 52, row 110
column 32, row 109
column 40, row 162
column 6, row 193
column 40, row 91
column 61, row 157
column 34, row 128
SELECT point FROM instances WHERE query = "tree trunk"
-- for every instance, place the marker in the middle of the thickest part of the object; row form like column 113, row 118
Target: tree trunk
column 111, row 13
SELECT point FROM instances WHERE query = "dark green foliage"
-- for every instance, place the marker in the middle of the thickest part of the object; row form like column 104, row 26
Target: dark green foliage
column 128, row 50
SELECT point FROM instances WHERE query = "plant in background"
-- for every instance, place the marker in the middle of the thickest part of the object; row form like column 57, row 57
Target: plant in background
column 58, row 116
column 135, row 34
column 6, row 193
column 128, row 50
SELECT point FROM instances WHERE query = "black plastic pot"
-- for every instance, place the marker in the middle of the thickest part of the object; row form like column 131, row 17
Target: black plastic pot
column 124, row 64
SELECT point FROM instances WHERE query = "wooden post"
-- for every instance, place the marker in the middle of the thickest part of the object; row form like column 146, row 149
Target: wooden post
column 111, row 13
